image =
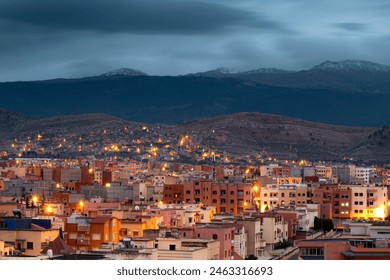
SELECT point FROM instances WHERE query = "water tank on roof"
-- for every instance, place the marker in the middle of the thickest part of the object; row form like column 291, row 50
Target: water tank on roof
column 50, row 253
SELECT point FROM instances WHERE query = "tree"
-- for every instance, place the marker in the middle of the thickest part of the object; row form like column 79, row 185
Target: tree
column 323, row 224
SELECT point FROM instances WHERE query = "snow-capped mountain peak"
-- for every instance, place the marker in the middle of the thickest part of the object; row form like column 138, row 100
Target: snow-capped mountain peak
column 225, row 70
column 265, row 71
column 351, row 65
column 124, row 72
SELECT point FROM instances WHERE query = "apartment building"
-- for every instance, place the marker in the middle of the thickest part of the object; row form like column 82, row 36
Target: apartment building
column 27, row 236
column 274, row 196
column 227, row 198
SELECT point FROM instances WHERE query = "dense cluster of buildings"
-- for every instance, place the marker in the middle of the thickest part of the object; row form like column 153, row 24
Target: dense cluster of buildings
column 163, row 210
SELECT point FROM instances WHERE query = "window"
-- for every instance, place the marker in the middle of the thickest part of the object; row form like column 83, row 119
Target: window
column 312, row 251
column 30, row 245
column 172, row 247
column 97, row 236
column 215, row 236
column 72, row 235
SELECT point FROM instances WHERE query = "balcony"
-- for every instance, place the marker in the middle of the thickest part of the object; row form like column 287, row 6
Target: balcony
column 83, row 241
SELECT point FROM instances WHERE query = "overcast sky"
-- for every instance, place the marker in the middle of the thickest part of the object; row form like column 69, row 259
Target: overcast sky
column 43, row 39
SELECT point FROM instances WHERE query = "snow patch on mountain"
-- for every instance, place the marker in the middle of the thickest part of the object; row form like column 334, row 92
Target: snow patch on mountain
column 124, row 72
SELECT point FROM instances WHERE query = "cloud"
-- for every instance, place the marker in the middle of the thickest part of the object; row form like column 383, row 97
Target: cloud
column 134, row 17
column 352, row 26
column 43, row 39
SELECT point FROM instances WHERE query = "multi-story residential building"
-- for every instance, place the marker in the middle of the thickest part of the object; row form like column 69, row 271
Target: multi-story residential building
column 240, row 241
column 342, row 173
column 170, row 248
column 352, row 201
column 223, row 232
column 276, row 229
column 27, row 236
column 255, row 241
column 227, row 198
column 90, row 234
column 70, row 175
column 361, row 174
column 274, row 196
column 322, row 171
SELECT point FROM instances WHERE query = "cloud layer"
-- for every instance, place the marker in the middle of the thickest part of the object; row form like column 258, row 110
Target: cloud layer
column 44, row 39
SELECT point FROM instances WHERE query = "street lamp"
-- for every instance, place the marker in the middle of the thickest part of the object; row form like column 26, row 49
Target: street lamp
column 255, row 190
column 81, row 203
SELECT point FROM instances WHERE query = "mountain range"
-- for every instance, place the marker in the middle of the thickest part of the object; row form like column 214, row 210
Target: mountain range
column 349, row 92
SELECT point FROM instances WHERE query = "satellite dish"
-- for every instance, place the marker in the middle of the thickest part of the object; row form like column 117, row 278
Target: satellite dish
column 17, row 213
column 136, row 207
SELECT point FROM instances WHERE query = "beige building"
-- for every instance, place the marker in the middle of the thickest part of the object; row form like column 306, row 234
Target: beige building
column 29, row 242
column 322, row 171
column 274, row 196
column 187, row 249
column 276, row 229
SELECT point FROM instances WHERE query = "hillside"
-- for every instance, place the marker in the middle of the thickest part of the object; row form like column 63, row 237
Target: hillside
column 277, row 135
column 8, row 121
column 243, row 134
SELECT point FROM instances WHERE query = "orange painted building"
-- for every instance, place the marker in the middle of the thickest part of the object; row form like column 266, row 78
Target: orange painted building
column 90, row 234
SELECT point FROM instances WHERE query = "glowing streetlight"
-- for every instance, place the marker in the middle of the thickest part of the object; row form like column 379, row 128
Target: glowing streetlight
column 81, row 203
column 108, row 185
column 255, row 190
